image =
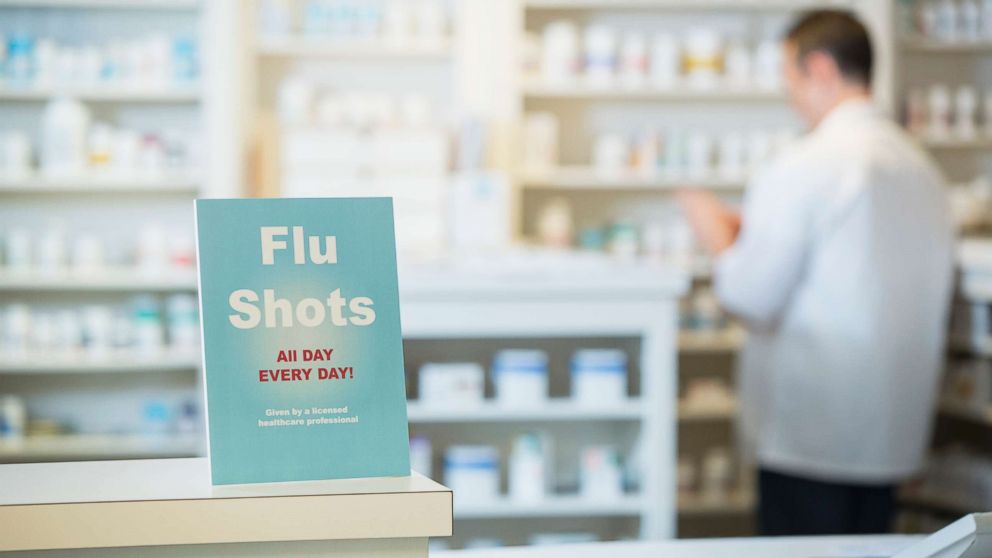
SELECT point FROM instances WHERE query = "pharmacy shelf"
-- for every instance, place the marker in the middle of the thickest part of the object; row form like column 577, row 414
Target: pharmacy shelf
column 958, row 144
column 928, row 499
column 555, row 506
column 87, row 447
column 958, row 410
column 964, row 345
column 588, row 178
column 694, row 5
column 326, row 48
column 736, row 503
column 580, row 91
column 103, row 93
column 552, row 411
column 688, row 413
column 97, row 184
column 111, row 279
column 171, row 5
column 727, row 340
column 923, row 45
column 113, row 363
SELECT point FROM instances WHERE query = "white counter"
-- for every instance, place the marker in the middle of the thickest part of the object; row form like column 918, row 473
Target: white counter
column 874, row 546
column 170, row 503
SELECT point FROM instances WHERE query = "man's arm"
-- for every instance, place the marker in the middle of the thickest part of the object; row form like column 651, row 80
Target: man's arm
column 715, row 224
column 758, row 262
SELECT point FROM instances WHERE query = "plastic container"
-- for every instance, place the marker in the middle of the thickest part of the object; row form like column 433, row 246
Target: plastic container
column 600, row 65
column 521, row 378
column 64, row 129
column 452, row 384
column 147, row 323
column 472, row 474
column 527, row 474
column 600, row 474
column 599, row 377
column 559, row 52
column 13, row 418
column 184, row 323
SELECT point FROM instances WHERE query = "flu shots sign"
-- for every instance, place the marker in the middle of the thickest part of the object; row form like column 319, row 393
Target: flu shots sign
column 301, row 339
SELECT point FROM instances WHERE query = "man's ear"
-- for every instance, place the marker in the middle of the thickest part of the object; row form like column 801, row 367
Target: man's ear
column 821, row 66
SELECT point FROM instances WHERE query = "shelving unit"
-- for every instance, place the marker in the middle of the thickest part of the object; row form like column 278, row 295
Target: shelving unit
column 578, row 90
column 123, row 362
column 305, row 47
column 708, row 5
column 958, row 144
column 553, row 411
column 156, row 5
column 739, row 503
column 557, row 507
column 923, row 62
column 107, row 280
column 100, row 185
column 81, row 447
column 103, row 94
column 727, row 341
column 639, row 318
column 587, row 178
column 102, row 400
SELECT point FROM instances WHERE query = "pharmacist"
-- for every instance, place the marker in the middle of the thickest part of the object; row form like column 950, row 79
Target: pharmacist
column 840, row 265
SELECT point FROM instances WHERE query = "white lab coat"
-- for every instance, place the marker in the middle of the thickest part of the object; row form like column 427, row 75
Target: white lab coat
column 843, row 274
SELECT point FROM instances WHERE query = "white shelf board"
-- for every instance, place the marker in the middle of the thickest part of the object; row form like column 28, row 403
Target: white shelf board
column 95, row 184
column 297, row 46
column 113, row 363
column 729, row 339
column 579, row 90
column 957, row 410
column 961, row 344
column 93, row 447
column 930, row 500
column 785, row 5
column 739, row 502
column 954, row 143
column 922, row 44
column 111, row 279
column 103, row 93
column 553, row 506
column 171, row 5
column 688, row 413
column 588, row 178
column 552, row 411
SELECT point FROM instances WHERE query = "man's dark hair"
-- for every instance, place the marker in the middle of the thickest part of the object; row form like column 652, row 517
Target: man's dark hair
column 838, row 34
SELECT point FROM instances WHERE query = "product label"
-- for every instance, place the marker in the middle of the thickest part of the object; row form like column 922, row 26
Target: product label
column 301, row 339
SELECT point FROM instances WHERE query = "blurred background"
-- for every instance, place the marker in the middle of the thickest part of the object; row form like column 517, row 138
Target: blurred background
column 532, row 148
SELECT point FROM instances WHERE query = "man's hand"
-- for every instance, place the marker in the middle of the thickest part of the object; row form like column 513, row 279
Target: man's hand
column 716, row 226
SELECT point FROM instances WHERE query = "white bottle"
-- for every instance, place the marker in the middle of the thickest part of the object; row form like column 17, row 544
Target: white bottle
column 600, row 55
column 969, row 21
column 665, row 61
column 738, row 66
column 939, row 110
column 633, row 61
column 767, row 64
column 527, row 471
column 703, row 58
column 965, row 111
column 64, row 126
column 947, row 21
column 559, row 52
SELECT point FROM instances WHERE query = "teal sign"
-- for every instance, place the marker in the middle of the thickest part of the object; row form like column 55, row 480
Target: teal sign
column 301, row 339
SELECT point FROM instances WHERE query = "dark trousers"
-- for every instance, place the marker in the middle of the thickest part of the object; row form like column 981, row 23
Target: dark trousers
column 791, row 505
